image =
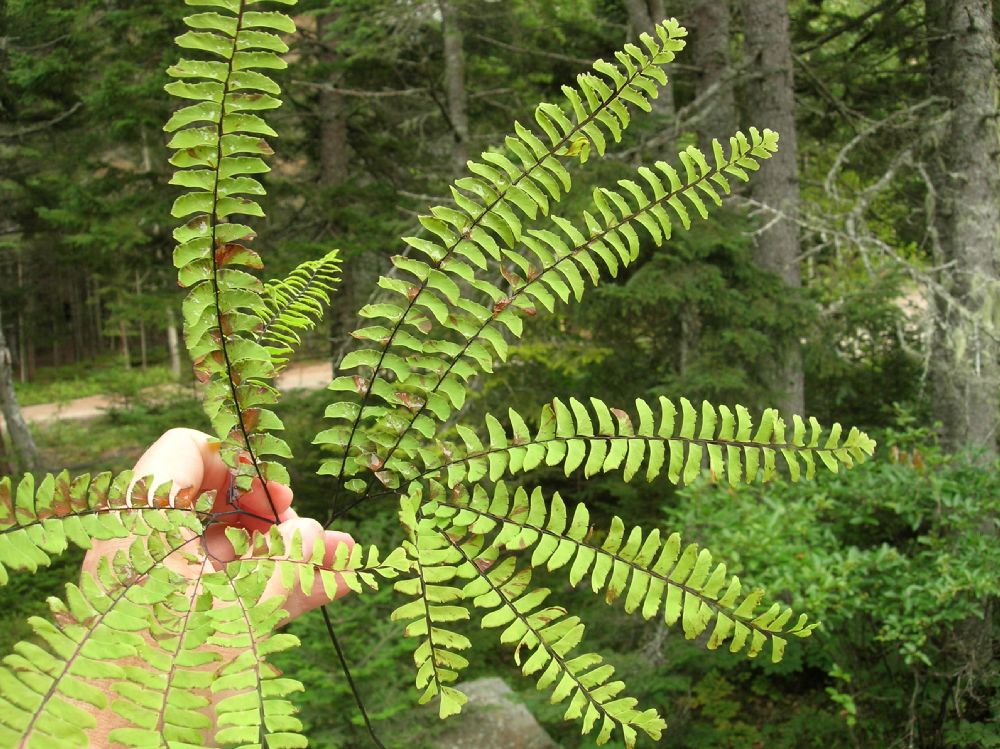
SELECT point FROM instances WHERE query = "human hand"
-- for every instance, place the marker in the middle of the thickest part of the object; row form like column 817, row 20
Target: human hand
column 187, row 458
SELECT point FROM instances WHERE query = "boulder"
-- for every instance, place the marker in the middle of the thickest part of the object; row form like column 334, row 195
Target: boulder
column 492, row 719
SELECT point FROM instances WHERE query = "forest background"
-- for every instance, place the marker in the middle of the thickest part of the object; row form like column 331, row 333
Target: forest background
column 857, row 277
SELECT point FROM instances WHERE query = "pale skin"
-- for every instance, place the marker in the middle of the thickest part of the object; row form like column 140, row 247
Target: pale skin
column 188, row 458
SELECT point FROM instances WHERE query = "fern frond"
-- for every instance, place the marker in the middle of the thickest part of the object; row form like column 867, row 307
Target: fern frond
column 430, row 616
column 37, row 522
column 99, row 624
column 650, row 574
column 295, row 304
column 219, row 147
column 554, row 268
column 166, row 699
column 677, row 444
column 301, row 568
column 256, row 714
column 403, row 363
column 543, row 636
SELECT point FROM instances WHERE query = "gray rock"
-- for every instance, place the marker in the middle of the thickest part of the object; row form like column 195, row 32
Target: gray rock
column 492, row 720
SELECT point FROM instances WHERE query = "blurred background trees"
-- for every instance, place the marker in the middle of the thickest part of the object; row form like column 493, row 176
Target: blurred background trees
column 857, row 279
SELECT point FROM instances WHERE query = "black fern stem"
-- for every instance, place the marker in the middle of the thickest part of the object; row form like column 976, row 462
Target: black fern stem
column 213, row 219
column 475, row 222
column 455, row 359
column 350, row 679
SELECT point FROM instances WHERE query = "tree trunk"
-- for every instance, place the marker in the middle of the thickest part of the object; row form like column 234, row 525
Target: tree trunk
column 94, row 302
column 22, row 340
column 173, row 344
column 771, row 103
column 22, row 445
column 964, row 357
column 333, row 153
column 7, row 467
column 143, row 357
column 78, row 321
column 643, row 15
column 123, row 337
column 454, row 82
column 710, row 53
column 335, row 159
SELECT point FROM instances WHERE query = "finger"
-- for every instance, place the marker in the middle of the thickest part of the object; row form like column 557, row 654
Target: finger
column 258, row 517
column 183, row 457
column 264, row 508
column 188, row 459
column 296, row 600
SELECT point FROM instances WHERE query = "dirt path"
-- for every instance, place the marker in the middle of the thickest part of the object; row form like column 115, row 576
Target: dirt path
column 310, row 375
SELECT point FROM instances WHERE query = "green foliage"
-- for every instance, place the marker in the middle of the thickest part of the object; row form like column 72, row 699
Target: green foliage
column 567, row 437
column 38, row 521
column 225, row 305
column 458, row 296
column 295, row 304
column 874, row 555
column 61, row 384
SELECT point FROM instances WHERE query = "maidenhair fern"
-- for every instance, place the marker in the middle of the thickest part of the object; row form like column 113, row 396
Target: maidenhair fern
column 167, row 632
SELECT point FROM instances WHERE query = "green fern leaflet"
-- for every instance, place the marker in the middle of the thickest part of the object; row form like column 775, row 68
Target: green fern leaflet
column 179, row 647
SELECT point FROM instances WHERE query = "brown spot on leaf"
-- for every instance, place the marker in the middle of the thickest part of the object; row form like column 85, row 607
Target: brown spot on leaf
column 510, row 276
column 624, row 421
column 233, row 252
column 412, row 402
column 6, row 506
column 551, row 614
column 185, row 498
column 251, row 418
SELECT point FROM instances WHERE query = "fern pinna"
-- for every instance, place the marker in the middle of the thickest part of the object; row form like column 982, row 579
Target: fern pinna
column 164, row 630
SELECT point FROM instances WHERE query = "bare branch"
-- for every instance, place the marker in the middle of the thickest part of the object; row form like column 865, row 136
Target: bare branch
column 42, row 125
